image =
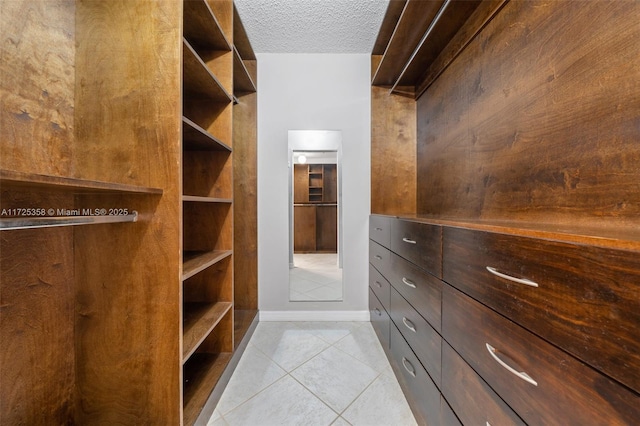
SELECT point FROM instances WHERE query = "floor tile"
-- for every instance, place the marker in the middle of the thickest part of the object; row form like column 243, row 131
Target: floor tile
column 254, row 372
column 381, row 404
column 363, row 345
column 330, row 331
column 287, row 345
column 286, row 402
column 335, row 377
column 340, row 422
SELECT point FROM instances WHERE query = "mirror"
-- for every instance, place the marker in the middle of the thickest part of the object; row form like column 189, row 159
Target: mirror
column 315, row 200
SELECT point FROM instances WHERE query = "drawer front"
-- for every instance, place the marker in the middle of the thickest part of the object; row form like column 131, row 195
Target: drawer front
column 379, row 257
column 380, row 286
column 419, row 243
column 422, row 394
column 379, row 320
column 471, row 398
column 587, row 300
column 422, row 338
column 380, row 229
column 421, row 289
column 559, row 388
column 447, row 416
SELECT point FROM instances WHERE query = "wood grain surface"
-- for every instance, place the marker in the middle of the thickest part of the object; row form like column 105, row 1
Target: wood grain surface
column 537, row 119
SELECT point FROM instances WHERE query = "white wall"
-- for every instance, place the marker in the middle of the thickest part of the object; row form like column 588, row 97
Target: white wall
column 312, row 92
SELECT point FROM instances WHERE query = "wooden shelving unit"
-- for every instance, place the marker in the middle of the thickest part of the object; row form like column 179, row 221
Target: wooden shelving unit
column 207, row 196
column 172, row 134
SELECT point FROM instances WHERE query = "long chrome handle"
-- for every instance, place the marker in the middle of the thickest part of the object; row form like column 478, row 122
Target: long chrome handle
column 407, row 240
column 407, row 323
column 378, row 311
column 408, row 282
column 521, row 374
column 377, row 256
column 378, row 284
column 410, row 369
column 510, row 278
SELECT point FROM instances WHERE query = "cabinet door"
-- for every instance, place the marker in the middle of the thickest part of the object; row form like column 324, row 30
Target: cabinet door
column 419, row 243
column 300, row 183
column 304, row 225
column 330, row 184
column 327, row 229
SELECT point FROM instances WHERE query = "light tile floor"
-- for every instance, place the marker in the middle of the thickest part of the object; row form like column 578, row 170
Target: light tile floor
column 315, row 277
column 313, row 373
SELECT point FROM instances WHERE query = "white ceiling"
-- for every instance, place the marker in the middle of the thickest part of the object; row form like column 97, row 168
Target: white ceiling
column 312, row 26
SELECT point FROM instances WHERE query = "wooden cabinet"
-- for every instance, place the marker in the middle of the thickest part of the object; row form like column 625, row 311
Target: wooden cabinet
column 315, row 183
column 131, row 311
column 490, row 341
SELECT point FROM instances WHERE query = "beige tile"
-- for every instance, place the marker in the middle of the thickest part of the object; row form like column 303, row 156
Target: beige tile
column 363, row 344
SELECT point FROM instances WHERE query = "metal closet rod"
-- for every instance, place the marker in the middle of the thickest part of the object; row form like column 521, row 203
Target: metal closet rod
column 424, row 38
column 9, row 224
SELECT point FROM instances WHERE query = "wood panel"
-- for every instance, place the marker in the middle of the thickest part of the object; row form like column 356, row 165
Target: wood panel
column 304, row 225
column 127, row 275
column 207, row 226
column 393, row 153
column 37, row 360
column 300, row 183
column 245, row 220
column 208, row 174
column 537, row 121
column 37, row 83
column 327, row 229
column 330, row 183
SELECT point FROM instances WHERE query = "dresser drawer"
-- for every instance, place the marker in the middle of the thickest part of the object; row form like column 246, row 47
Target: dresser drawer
column 380, row 229
column 587, row 300
column 379, row 257
column 447, row 416
column 380, row 286
column 421, row 289
column 419, row 243
column 379, row 320
column 422, row 338
column 422, row 394
column 471, row 398
column 546, row 385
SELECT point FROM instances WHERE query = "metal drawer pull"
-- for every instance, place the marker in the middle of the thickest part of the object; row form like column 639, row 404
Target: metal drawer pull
column 510, row 278
column 406, row 240
column 408, row 324
column 408, row 282
column 378, row 284
column 407, row 366
column 378, row 312
column 524, row 376
column 378, row 229
column 377, row 256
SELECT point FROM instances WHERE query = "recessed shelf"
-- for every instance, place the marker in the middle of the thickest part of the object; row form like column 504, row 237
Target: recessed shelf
column 18, row 180
column 198, row 199
column 242, row 81
column 199, row 82
column 198, row 321
column 240, row 38
column 200, row 375
column 197, row 261
column 203, row 29
column 195, row 138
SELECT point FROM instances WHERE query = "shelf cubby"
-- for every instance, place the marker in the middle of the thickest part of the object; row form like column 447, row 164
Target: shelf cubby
column 242, row 80
column 199, row 82
column 207, row 174
column 195, row 138
column 196, row 261
column 199, row 319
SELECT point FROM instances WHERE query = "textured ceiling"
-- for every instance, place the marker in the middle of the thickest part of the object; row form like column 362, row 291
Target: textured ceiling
column 312, row 26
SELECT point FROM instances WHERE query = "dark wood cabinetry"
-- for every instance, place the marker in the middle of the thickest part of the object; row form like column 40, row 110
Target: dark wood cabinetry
column 315, row 208
column 508, row 134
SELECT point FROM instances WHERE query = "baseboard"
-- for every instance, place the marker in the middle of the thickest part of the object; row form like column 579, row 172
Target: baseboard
column 314, row 315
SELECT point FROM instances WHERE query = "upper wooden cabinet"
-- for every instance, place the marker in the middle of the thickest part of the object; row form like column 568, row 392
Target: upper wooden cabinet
column 315, row 183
